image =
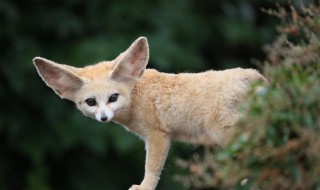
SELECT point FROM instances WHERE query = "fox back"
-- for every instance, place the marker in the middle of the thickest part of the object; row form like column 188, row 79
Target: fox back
column 159, row 107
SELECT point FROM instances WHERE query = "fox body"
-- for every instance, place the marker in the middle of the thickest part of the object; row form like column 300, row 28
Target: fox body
column 198, row 108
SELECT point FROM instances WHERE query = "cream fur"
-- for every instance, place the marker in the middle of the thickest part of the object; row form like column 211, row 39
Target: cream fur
column 198, row 108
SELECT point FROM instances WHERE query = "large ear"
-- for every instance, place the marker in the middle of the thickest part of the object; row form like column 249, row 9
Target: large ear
column 132, row 62
column 61, row 78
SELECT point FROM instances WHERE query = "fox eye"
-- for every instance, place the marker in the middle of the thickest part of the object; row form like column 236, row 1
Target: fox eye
column 91, row 102
column 113, row 97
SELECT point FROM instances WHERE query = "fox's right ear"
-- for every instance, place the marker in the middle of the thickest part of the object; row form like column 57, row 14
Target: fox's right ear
column 132, row 62
column 61, row 78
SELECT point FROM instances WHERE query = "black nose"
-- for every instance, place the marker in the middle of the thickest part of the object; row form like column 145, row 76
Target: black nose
column 104, row 118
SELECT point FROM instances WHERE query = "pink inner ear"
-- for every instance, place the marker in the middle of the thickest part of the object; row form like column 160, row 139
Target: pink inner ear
column 138, row 54
column 134, row 59
column 137, row 73
column 137, row 62
column 56, row 84
column 53, row 78
column 62, row 88
column 62, row 82
column 133, row 62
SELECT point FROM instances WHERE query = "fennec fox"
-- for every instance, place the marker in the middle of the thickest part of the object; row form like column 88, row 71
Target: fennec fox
column 159, row 107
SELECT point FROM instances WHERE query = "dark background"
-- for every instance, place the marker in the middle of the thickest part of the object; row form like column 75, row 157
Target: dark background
column 45, row 143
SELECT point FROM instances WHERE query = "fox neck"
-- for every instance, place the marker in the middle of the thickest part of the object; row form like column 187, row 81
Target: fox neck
column 139, row 97
column 123, row 116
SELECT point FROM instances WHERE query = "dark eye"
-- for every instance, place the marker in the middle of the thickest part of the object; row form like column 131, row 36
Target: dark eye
column 91, row 102
column 113, row 97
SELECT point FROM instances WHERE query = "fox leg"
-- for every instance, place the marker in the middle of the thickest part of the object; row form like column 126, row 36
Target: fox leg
column 157, row 146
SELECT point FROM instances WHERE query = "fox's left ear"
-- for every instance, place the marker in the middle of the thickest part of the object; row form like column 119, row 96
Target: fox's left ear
column 61, row 78
column 132, row 62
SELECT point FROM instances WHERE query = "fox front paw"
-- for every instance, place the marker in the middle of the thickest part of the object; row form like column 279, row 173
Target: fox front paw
column 135, row 187
column 139, row 187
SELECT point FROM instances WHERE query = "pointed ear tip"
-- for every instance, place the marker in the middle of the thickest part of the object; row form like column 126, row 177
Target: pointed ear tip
column 142, row 39
column 36, row 60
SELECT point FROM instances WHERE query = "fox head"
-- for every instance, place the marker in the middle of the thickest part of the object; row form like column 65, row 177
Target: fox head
column 100, row 91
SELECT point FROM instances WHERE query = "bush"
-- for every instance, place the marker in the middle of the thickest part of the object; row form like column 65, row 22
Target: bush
column 277, row 146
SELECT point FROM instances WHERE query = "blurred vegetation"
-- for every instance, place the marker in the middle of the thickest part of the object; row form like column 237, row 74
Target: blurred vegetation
column 46, row 143
column 277, row 146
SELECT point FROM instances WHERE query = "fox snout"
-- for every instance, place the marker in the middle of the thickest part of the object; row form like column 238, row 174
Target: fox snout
column 102, row 118
column 104, row 115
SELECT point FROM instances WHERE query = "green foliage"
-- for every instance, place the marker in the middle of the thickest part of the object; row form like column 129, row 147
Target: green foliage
column 277, row 146
column 45, row 142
